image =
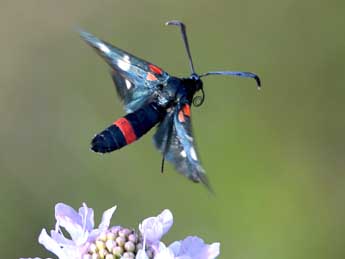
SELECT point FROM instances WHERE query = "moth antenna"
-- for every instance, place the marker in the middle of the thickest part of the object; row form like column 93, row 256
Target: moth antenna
column 235, row 73
column 185, row 40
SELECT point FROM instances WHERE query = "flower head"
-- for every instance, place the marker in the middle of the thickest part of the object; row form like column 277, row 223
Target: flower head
column 80, row 227
column 88, row 242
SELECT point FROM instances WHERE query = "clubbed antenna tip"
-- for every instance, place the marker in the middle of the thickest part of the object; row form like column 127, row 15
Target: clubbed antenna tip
column 185, row 40
column 235, row 73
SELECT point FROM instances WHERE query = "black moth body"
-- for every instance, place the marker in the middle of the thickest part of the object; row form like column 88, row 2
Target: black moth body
column 151, row 96
column 128, row 129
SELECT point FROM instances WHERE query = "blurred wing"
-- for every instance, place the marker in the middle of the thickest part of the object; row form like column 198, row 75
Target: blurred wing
column 136, row 80
column 175, row 140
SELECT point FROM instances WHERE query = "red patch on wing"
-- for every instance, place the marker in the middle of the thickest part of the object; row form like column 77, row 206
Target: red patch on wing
column 155, row 69
column 186, row 110
column 151, row 77
column 127, row 130
column 181, row 116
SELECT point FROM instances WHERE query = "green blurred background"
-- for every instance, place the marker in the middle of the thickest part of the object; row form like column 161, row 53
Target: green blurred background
column 275, row 158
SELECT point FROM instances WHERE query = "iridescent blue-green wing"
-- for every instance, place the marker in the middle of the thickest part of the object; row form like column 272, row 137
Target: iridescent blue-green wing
column 136, row 80
column 175, row 140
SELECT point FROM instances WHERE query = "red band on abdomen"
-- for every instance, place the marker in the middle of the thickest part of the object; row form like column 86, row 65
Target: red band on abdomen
column 127, row 130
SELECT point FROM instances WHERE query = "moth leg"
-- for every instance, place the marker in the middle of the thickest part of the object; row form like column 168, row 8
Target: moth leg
column 166, row 146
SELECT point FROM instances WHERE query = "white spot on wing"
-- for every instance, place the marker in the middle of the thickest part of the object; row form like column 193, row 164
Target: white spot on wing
column 189, row 138
column 124, row 63
column 193, row 153
column 103, row 48
column 183, row 153
column 128, row 84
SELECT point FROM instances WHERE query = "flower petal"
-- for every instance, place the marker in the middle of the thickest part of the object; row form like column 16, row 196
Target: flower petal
column 68, row 218
column 154, row 228
column 106, row 219
column 192, row 245
column 64, row 211
column 141, row 255
column 195, row 248
column 166, row 218
column 50, row 244
column 87, row 217
column 60, row 239
column 164, row 252
column 175, row 247
column 213, row 250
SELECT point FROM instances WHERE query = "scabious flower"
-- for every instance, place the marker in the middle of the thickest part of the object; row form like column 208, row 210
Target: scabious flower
column 104, row 242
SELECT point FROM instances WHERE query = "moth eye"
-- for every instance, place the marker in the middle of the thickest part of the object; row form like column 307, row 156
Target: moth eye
column 160, row 86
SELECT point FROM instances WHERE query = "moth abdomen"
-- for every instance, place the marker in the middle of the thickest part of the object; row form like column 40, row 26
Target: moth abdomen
column 127, row 129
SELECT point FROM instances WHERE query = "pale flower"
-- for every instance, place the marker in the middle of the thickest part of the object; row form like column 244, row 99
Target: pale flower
column 88, row 242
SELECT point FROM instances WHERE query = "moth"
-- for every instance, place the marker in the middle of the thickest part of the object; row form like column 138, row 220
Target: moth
column 152, row 96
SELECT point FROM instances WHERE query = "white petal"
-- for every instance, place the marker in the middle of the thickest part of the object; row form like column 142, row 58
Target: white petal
column 151, row 229
column 106, row 219
column 166, row 218
column 175, row 247
column 65, row 211
column 50, row 244
column 154, row 228
column 213, row 250
column 195, row 248
column 164, row 252
column 87, row 216
column 141, row 255
column 68, row 218
column 59, row 238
